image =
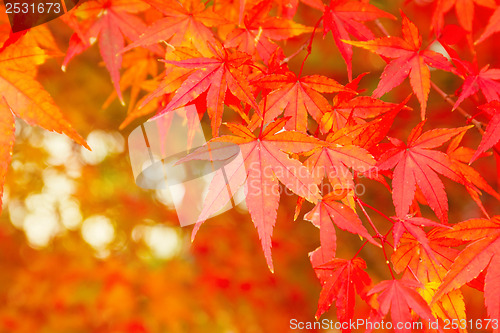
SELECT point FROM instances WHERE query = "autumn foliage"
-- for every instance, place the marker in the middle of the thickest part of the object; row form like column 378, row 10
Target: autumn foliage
column 332, row 136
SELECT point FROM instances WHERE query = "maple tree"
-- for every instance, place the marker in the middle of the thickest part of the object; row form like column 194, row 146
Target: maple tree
column 312, row 94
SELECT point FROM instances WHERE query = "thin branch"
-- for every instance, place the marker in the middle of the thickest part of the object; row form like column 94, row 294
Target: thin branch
column 387, row 261
column 309, row 46
column 377, row 211
column 382, row 28
column 293, row 55
column 263, row 112
column 479, row 125
column 378, row 234
column 361, row 248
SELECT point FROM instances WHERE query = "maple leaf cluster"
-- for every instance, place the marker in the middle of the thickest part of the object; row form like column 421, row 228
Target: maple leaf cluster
column 320, row 137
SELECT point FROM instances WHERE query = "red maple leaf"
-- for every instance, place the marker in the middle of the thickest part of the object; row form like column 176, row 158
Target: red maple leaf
column 260, row 30
column 413, row 225
column 492, row 133
column 460, row 158
column 464, row 10
column 400, row 297
column 409, row 60
column 266, row 161
column 328, row 210
column 482, row 253
column 416, row 164
column 492, row 27
column 475, row 80
column 187, row 24
column 297, row 96
column 215, row 75
column 108, row 21
column 335, row 159
column 347, row 278
column 344, row 17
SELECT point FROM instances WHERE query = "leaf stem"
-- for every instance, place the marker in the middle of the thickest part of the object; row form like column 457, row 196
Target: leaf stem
column 376, row 210
column 470, row 119
column 377, row 233
column 293, row 55
column 361, row 248
column 382, row 28
column 387, row 261
column 449, row 100
column 265, row 92
column 309, row 46
column 383, row 238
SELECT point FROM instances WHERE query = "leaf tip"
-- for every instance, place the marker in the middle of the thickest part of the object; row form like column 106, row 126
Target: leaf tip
column 85, row 144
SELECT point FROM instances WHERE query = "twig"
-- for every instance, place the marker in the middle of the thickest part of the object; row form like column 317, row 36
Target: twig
column 361, row 248
column 293, row 55
column 263, row 113
column 309, row 46
column 375, row 210
column 387, row 261
column 378, row 234
column 382, row 28
column 479, row 125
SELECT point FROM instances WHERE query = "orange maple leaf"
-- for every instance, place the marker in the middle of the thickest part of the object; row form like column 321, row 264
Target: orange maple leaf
column 25, row 96
column 186, row 23
column 482, row 253
column 7, row 138
column 430, row 269
column 109, row 22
